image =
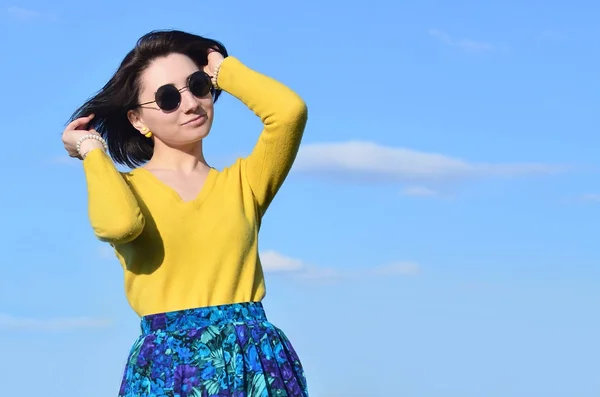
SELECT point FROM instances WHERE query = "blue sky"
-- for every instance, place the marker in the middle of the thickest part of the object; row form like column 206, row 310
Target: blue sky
column 436, row 238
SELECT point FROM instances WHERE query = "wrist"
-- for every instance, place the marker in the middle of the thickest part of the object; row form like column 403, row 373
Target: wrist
column 90, row 142
column 215, row 74
column 88, row 145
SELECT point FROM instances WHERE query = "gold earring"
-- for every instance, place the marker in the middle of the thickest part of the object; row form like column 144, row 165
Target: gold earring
column 147, row 132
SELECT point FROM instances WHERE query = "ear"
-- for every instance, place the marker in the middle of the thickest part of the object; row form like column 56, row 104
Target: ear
column 136, row 121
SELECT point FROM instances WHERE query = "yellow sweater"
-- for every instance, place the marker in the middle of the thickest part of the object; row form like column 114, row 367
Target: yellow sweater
column 178, row 255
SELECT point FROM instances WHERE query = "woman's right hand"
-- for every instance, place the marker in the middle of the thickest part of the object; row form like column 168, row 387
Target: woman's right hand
column 74, row 131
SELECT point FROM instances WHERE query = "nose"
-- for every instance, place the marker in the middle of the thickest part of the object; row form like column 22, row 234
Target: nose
column 189, row 103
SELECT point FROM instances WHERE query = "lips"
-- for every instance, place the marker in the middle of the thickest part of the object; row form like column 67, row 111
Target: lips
column 195, row 119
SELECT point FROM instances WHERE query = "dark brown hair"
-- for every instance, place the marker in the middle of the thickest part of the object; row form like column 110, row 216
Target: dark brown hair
column 111, row 104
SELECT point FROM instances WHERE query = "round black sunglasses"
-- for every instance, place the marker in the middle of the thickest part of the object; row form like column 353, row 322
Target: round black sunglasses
column 168, row 97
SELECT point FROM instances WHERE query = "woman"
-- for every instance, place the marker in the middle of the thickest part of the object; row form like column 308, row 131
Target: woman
column 187, row 234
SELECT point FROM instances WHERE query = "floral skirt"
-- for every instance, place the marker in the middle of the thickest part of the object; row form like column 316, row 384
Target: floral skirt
column 229, row 350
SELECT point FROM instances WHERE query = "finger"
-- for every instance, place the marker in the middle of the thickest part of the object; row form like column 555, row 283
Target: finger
column 74, row 155
column 79, row 122
column 84, row 126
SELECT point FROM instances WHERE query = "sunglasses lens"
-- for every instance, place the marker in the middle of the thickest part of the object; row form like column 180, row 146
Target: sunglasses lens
column 200, row 84
column 168, row 98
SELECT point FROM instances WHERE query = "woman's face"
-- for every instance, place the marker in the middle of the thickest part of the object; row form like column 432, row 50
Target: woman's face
column 191, row 121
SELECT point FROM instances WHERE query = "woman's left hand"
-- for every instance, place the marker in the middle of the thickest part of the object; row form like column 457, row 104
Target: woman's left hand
column 214, row 58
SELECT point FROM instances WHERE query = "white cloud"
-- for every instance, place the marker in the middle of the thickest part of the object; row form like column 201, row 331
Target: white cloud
column 463, row 44
column 106, row 251
column 316, row 274
column 419, row 191
column 479, row 286
column 10, row 322
column 64, row 160
column 23, row 13
column 398, row 268
column 368, row 161
column 590, row 197
column 551, row 35
column 27, row 15
column 274, row 262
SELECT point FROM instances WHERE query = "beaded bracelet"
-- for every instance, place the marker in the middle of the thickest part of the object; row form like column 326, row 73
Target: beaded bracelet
column 213, row 79
column 91, row 136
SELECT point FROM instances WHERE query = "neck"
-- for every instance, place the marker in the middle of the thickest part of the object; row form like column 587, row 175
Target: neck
column 183, row 159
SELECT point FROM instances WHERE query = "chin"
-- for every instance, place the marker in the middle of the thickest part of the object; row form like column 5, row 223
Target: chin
column 201, row 133
column 187, row 133
column 196, row 137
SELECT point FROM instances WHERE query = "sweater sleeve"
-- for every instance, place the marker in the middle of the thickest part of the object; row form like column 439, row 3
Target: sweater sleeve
column 113, row 209
column 283, row 114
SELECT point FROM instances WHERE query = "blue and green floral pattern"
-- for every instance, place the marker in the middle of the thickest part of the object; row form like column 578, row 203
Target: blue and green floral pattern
column 218, row 351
